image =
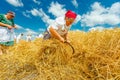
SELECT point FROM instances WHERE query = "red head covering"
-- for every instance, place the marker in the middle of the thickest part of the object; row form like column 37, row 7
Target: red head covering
column 70, row 14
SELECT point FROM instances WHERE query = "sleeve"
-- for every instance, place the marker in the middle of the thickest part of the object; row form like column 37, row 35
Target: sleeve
column 0, row 17
column 53, row 25
column 59, row 22
column 12, row 22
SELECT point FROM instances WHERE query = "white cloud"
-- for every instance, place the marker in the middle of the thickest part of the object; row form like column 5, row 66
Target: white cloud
column 57, row 9
column 35, row 12
column 115, row 8
column 41, row 29
column 100, row 15
column 30, row 31
column 25, row 31
column 78, row 18
column 37, row 2
column 26, row 14
column 74, row 2
column 99, row 28
column 16, row 3
column 42, row 14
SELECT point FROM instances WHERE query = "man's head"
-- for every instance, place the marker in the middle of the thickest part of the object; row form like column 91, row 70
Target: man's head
column 70, row 17
column 10, row 15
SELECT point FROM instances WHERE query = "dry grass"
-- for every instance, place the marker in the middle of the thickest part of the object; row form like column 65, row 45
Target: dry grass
column 96, row 57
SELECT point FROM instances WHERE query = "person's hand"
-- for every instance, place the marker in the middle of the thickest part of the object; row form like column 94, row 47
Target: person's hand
column 15, row 27
column 68, row 41
column 62, row 40
column 9, row 27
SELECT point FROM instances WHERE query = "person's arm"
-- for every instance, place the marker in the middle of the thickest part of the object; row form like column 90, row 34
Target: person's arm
column 5, row 25
column 66, row 36
column 14, row 26
column 55, row 34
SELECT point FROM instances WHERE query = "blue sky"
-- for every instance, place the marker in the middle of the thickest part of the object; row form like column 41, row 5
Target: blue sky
column 33, row 16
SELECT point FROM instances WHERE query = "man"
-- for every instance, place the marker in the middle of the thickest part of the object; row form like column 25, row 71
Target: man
column 59, row 29
column 6, row 29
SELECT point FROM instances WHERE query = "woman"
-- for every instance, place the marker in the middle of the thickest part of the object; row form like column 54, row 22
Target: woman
column 59, row 29
column 6, row 30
